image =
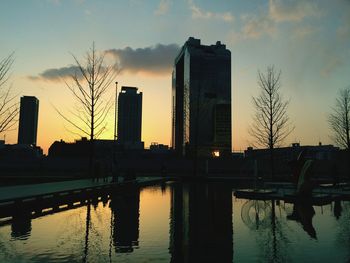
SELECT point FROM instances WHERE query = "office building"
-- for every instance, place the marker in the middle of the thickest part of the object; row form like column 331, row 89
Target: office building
column 129, row 117
column 28, row 120
column 201, row 99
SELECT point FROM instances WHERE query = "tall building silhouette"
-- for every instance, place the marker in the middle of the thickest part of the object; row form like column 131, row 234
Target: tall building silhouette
column 28, row 120
column 201, row 99
column 129, row 116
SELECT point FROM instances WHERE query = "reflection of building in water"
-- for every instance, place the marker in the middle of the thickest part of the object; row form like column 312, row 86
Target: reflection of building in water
column 21, row 226
column 201, row 223
column 125, row 228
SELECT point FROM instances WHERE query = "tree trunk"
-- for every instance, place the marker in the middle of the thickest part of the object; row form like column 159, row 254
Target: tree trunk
column 272, row 168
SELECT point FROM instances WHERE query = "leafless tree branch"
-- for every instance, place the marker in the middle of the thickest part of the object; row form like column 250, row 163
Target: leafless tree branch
column 89, row 86
column 271, row 124
column 9, row 108
column 339, row 119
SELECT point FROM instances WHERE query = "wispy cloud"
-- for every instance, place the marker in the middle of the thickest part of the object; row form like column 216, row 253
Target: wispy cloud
column 163, row 7
column 302, row 31
column 343, row 32
column 266, row 21
column 59, row 2
column 256, row 26
column 54, row 74
column 198, row 13
column 331, row 64
column 292, row 10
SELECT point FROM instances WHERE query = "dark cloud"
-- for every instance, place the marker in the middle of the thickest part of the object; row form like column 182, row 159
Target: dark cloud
column 57, row 73
column 155, row 59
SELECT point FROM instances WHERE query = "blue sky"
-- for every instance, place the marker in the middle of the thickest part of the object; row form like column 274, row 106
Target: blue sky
column 308, row 40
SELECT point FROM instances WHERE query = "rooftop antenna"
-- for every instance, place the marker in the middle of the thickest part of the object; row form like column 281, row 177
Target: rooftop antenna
column 115, row 110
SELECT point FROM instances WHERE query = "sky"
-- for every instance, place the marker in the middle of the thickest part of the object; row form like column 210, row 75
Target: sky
column 309, row 41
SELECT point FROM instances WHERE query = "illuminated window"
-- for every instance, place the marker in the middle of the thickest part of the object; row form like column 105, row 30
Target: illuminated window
column 216, row 154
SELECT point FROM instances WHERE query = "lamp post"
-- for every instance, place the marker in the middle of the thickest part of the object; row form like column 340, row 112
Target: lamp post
column 115, row 172
column 115, row 111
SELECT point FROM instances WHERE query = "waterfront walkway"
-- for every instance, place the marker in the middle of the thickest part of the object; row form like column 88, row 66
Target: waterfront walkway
column 12, row 193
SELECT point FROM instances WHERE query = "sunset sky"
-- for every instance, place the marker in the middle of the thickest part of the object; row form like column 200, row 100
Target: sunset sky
column 308, row 40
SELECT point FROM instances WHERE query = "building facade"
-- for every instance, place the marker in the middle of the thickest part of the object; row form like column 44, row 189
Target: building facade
column 28, row 120
column 201, row 99
column 315, row 152
column 129, row 117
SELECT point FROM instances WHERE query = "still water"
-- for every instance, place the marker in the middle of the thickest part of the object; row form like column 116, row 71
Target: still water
column 181, row 223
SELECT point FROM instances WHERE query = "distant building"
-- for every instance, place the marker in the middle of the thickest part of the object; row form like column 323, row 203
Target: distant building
column 201, row 99
column 130, row 117
column 2, row 144
column 19, row 152
column 317, row 152
column 81, row 148
column 158, row 148
column 28, row 120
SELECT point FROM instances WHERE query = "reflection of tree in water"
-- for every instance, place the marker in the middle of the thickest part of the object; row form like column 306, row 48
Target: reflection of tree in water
column 343, row 229
column 271, row 229
column 8, row 249
column 66, row 239
column 79, row 231
column 255, row 214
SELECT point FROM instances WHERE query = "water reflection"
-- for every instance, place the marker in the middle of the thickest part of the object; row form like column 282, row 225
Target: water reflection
column 125, row 220
column 179, row 223
column 261, row 218
column 343, row 230
column 21, row 226
column 87, row 231
column 337, row 210
column 201, row 223
column 303, row 213
column 256, row 214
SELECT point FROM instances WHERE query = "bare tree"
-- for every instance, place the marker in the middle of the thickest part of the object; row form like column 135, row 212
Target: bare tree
column 339, row 119
column 8, row 106
column 271, row 124
column 89, row 86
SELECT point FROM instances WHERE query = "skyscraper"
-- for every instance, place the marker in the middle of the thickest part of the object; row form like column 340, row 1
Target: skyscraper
column 28, row 120
column 201, row 99
column 129, row 116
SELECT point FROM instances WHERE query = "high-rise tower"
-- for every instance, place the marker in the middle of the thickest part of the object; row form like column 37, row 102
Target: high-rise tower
column 28, row 120
column 129, row 116
column 201, row 99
